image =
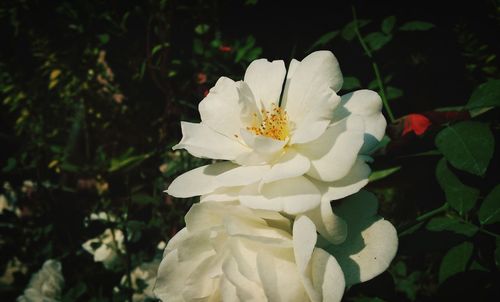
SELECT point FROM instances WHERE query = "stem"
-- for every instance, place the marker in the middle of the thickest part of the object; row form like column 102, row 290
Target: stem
column 489, row 233
column 429, row 214
column 376, row 70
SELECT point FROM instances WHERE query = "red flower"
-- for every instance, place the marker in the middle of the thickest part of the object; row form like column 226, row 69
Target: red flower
column 225, row 48
column 416, row 123
column 201, row 78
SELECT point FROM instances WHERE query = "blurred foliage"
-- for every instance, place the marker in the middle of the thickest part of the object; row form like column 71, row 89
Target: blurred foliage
column 92, row 93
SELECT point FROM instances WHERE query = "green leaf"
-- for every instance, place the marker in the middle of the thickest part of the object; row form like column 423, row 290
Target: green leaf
column 243, row 51
column 416, row 26
column 377, row 40
column 380, row 174
column 455, row 261
column 351, row 83
column 141, row 198
column 200, row 29
column 468, row 146
column 126, row 161
column 349, row 31
column 10, row 166
column 486, row 95
column 489, row 212
column 394, row 93
column 103, row 38
column 323, row 40
column 388, row 24
column 197, row 46
column 438, row 224
column 75, row 292
column 459, row 196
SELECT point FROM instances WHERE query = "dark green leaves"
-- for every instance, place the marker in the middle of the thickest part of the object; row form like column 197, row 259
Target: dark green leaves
column 377, row 40
column 455, row 261
column 141, row 198
column 388, row 24
column 459, row 196
column 490, row 208
column 349, row 31
column 416, row 26
column 351, row 83
column 393, row 92
column 452, row 224
column 468, row 146
column 486, row 95
column 323, row 40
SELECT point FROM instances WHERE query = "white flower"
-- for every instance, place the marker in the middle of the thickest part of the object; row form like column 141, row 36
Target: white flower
column 45, row 285
column 228, row 252
column 287, row 156
column 143, row 279
column 109, row 244
column 4, row 204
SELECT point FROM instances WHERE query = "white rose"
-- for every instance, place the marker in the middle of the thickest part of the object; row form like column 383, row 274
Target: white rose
column 287, row 156
column 45, row 285
column 110, row 243
column 228, row 252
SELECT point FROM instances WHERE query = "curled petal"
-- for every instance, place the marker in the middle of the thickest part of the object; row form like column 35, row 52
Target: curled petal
column 331, row 226
column 199, row 181
column 368, row 105
column 371, row 243
column 291, row 195
column 334, row 153
column 201, row 141
column 291, row 164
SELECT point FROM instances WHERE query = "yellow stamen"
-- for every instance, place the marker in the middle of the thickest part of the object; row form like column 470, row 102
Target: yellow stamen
column 273, row 124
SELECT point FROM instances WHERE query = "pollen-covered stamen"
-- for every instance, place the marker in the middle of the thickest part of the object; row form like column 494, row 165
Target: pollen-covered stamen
column 273, row 124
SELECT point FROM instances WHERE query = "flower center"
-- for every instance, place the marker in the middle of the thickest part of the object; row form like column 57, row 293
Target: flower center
column 273, row 124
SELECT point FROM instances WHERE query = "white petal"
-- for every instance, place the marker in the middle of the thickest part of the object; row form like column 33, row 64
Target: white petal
column 304, row 240
column 328, row 224
column 292, row 195
column 265, row 80
column 312, row 121
column 368, row 104
column 333, row 154
column 227, row 290
column 241, row 176
column 320, row 69
column 246, row 290
column 262, row 144
column 354, row 181
column 198, row 181
column 291, row 164
column 222, row 108
column 327, row 276
column 222, row 195
column 371, row 243
column 202, row 141
column 313, row 82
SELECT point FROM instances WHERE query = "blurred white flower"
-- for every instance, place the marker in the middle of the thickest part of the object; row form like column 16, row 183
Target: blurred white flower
column 161, row 245
column 228, row 252
column 106, row 247
column 13, row 266
column 289, row 150
column 143, row 279
column 28, row 187
column 45, row 285
column 4, row 204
